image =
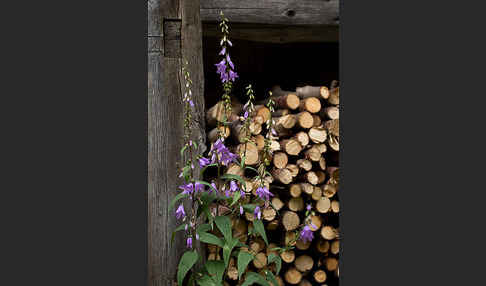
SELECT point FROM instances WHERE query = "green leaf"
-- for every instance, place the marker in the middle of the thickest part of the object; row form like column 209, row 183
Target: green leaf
column 243, row 160
column 175, row 199
column 215, row 269
column 179, row 228
column 251, row 168
column 207, row 184
column 224, row 225
column 227, row 248
column 275, row 258
column 271, row 277
column 258, row 224
column 211, row 239
column 182, row 150
column 244, row 259
column 249, row 207
column 203, row 228
column 187, row 261
column 234, row 177
column 252, row 277
column 236, row 197
column 206, row 281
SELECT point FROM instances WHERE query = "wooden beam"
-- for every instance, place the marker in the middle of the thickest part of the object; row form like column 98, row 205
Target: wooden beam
column 273, row 12
column 276, row 33
column 174, row 35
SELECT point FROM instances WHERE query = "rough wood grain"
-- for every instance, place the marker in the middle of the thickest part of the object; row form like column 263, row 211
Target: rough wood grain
column 165, row 122
column 283, row 12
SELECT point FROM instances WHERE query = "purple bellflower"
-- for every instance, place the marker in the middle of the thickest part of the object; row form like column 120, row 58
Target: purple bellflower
column 189, row 242
column 180, row 213
column 264, row 193
column 257, row 213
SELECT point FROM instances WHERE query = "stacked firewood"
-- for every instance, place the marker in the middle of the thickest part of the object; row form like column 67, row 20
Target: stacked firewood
column 305, row 171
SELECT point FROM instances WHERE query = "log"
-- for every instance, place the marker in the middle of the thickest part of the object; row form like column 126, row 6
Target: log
column 321, row 176
column 290, row 238
column 260, row 260
column 307, row 188
column 273, row 225
column 288, row 256
column 216, row 113
column 317, row 121
column 232, row 272
column 238, row 131
column 295, row 190
column 305, row 283
column 310, row 104
column 296, row 204
column 328, row 232
column 291, row 146
column 302, row 138
column 287, row 101
column 304, row 164
column 323, row 205
column 263, row 111
column 279, row 281
column 332, row 127
column 284, row 176
column 329, row 190
column 294, row 169
column 274, row 145
column 312, row 178
column 317, row 193
column 255, row 128
column 250, row 152
column 331, row 263
column 269, row 213
column 313, row 153
column 285, row 122
column 334, row 96
column 257, row 245
column 301, row 245
column 335, row 247
column 322, row 163
column 293, row 276
column 313, row 91
column 280, row 160
column 322, row 148
column 305, row 120
column 214, row 133
column 317, row 134
column 277, row 203
column 333, row 143
column 270, row 249
column 335, row 206
column 333, row 173
column 240, row 229
column 290, row 220
column 259, row 141
column 323, row 246
column 280, row 112
column 331, row 112
column 317, row 221
column 304, row 263
column 320, row 276
column 235, row 169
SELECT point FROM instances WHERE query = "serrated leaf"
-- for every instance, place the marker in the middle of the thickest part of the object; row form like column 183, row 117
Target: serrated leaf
column 215, row 269
column 227, row 248
column 224, row 225
column 179, row 228
column 258, row 224
column 211, row 239
column 272, row 278
column 252, row 277
column 244, row 258
column 188, row 260
column 175, row 199
column 275, row 258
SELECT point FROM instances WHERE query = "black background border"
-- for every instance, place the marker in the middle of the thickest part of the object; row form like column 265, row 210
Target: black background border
column 75, row 145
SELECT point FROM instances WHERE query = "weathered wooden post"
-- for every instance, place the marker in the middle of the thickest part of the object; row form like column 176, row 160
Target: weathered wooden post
column 174, row 36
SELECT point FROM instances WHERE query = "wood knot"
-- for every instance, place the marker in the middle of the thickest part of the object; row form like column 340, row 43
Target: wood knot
column 290, row 13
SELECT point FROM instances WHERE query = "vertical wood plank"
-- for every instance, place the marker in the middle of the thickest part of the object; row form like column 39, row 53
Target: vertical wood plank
column 165, row 126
